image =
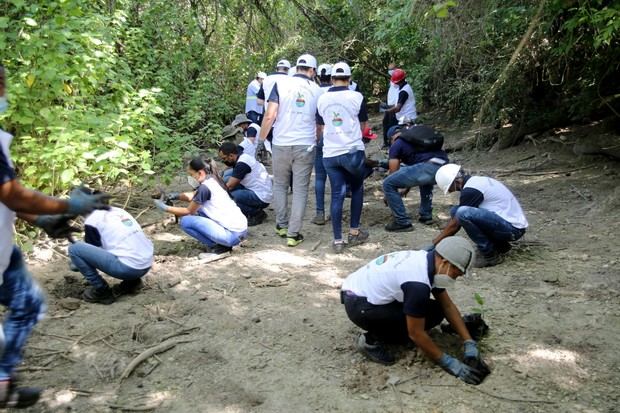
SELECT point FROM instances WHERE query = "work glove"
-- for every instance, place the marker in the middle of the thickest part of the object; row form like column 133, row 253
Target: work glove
column 470, row 350
column 166, row 197
column 383, row 107
column 56, row 226
column 161, row 205
column 461, row 370
column 81, row 202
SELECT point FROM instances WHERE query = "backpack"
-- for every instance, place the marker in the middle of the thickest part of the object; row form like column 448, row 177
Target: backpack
column 422, row 138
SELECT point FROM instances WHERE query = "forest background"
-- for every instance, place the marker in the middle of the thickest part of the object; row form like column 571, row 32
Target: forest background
column 112, row 92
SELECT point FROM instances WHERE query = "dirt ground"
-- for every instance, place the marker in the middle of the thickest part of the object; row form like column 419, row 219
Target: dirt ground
column 264, row 331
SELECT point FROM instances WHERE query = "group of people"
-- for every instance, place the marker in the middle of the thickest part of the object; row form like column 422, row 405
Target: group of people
column 315, row 118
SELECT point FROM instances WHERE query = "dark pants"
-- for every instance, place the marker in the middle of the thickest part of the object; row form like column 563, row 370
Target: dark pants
column 386, row 323
column 389, row 120
column 255, row 117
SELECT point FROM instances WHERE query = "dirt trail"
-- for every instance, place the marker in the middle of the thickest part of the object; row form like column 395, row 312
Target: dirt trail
column 265, row 331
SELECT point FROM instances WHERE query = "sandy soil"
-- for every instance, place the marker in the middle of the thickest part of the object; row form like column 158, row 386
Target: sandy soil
column 263, row 330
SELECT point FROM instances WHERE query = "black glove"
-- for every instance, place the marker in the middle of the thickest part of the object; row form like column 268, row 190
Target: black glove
column 166, row 198
column 82, row 201
column 479, row 365
column 56, row 226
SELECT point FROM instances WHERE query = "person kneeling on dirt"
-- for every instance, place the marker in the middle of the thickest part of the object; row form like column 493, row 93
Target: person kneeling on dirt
column 390, row 298
column 419, row 168
column 115, row 244
column 212, row 217
column 250, row 134
column 249, row 183
column 487, row 210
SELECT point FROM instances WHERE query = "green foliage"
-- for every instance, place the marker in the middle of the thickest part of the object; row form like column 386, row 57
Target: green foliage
column 481, row 308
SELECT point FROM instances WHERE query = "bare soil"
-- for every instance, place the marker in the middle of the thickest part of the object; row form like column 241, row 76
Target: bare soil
column 264, row 331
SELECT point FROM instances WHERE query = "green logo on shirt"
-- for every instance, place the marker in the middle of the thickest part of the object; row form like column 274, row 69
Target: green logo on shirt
column 381, row 260
column 337, row 120
column 300, row 101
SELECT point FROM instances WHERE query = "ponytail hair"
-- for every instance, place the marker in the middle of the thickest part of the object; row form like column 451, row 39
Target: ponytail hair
column 210, row 167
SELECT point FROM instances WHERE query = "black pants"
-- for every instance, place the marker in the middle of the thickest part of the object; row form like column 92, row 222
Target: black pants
column 255, row 117
column 389, row 120
column 387, row 323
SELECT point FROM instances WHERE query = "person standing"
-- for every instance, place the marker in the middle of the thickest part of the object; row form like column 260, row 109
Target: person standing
column 320, row 175
column 389, row 118
column 487, row 210
column 253, row 110
column 342, row 115
column 282, row 69
column 291, row 110
column 404, row 108
column 19, row 292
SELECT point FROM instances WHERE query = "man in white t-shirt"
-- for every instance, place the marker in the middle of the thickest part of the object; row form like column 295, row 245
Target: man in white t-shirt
column 389, row 298
column 291, row 110
column 402, row 104
column 253, row 110
column 115, row 244
column 249, row 183
column 487, row 210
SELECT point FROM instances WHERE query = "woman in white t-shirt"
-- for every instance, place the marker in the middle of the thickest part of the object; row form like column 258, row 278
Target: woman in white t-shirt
column 212, row 217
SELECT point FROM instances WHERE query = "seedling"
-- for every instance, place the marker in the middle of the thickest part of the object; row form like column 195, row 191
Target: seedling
column 481, row 308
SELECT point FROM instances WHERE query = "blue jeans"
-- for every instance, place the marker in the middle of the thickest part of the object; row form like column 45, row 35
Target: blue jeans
column 26, row 306
column 249, row 203
column 89, row 258
column 342, row 170
column 485, row 228
column 210, row 232
column 420, row 174
column 320, row 177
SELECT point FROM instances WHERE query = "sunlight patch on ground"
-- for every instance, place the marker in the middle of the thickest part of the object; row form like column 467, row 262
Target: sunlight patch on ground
column 267, row 258
column 166, row 236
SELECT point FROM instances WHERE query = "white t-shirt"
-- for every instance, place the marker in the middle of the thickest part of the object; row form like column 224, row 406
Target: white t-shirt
column 121, row 235
column 497, row 198
column 339, row 110
column 257, row 180
column 250, row 143
column 295, row 122
column 381, row 280
column 408, row 109
column 268, row 85
column 392, row 96
column 251, row 103
column 221, row 208
column 7, row 216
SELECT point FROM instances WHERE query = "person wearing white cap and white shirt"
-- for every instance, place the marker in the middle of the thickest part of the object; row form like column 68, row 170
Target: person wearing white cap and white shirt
column 390, row 298
column 282, row 69
column 252, row 109
column 404, row 106
column 342, row 115
column 292, row 112
column 487, row 210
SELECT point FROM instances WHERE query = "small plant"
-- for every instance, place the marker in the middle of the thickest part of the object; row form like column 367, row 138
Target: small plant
column 480, row 309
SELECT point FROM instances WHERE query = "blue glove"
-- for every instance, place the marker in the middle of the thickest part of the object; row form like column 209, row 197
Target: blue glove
column 471, row 350
column 458, row 369
column 56, row 226
column 83, row 202
column 161, row 205
column 172, row 196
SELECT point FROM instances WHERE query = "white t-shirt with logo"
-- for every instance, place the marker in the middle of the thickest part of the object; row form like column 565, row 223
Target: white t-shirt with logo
column 122, row 236
column 497, row 198
column 339, row 110
column 221, row 208
column 295, row 122
column 380, row 280
column 257, row 180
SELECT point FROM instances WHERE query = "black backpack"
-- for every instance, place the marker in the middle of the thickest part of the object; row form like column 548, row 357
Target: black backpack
column 422, row 138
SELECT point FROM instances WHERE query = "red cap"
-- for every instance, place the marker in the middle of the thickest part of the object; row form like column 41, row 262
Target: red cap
column 398, row 75
column 367, row 133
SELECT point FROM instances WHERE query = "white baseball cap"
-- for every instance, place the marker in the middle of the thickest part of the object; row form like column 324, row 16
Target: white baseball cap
column 327, row 67
column 284, row 63
column 307, row 60
column 261, row 75
column 341, row 69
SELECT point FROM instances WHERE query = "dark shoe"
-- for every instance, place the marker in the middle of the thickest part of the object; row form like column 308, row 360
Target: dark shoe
column 220, row 249
column 374, row 352
column 12, row 396
column 360, row 238
column 319, row 219
column 425, row 220
column 127, row 287
column 338, row 247
column 475, row 325
column 281, row 231
column 503, row 247
column 98, row 295
column 294, row 240
column 257, row 219
column 396, row 227
column 489, row 260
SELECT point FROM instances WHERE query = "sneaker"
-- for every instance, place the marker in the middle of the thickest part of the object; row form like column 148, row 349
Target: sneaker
column 293, row 241
column 257, row 219
column 489, row 260
column 503, row 247
column 281, row 231
column 319, row 219
column 425, row 220
column 374, row 352
column 12, row 396
column 396, row 227
column 358, row 239
column 220, row 249
column 338, row 246
column 127, row 287
column 102, row 295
